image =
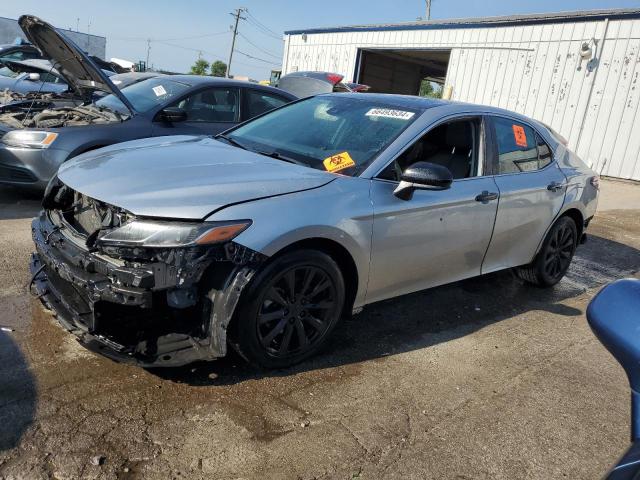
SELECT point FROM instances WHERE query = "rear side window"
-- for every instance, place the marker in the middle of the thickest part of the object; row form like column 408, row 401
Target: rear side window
column 520, row 149
column 261, row 102
column 544, row 153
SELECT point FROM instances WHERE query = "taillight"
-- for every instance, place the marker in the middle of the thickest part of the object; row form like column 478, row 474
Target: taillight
column 334, row 78
column 595, row 182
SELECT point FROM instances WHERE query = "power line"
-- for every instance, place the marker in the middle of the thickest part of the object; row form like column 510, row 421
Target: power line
column 262, row 27
column 259, row 48
column 256, row 58
column 199, row 50
column 141, row 39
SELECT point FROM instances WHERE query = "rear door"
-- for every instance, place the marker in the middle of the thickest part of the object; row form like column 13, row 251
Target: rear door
column 532, row 189
column 209, row 112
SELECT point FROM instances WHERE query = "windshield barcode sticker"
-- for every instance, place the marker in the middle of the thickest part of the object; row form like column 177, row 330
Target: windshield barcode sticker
column 159, row 91
column 389, row 113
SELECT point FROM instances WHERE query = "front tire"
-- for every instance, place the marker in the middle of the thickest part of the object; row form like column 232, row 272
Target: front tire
column 555, row 255
column 289, row 309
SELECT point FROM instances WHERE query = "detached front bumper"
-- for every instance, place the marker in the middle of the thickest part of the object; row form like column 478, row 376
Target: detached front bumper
column 123, row 311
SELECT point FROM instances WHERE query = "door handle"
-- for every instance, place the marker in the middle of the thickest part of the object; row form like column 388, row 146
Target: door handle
column 486, row 196
column 555, row 186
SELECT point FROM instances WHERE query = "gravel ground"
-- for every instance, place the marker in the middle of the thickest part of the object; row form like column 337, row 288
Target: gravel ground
column 486, row 378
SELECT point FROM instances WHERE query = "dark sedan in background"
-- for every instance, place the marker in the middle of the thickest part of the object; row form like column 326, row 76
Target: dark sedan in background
column 37, row 138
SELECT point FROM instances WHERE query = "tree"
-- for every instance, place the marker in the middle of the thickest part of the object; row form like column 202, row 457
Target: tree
column 218, row 69
column 430, row 89
column 200, row 67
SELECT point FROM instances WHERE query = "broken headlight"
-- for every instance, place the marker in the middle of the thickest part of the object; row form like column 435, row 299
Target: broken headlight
column 29, row 139
column 148, row 233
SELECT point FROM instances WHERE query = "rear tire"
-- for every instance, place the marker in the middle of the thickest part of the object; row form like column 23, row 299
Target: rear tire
column 555, row 255
column 289, row 309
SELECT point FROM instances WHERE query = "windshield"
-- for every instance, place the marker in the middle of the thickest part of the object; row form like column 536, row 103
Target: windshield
column 337, row 133
column 144, row 95
column 7, row 72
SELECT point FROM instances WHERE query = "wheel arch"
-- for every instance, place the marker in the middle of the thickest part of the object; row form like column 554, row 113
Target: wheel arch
column 572, row 211
column 341, row 255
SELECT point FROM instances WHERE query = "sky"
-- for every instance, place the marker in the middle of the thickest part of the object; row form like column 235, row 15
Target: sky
column 180, row 31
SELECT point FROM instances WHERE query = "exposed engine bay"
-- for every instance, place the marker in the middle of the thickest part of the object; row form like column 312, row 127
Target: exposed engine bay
column 50, row 110
column 150, row 306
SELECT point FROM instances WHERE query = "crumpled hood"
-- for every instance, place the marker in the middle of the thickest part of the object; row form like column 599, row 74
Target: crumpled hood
column 183, row 177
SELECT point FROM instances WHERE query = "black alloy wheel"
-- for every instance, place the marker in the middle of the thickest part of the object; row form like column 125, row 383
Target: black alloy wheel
column 559, row 251
column 296, row 310
column 555, row 255
column 289, row 309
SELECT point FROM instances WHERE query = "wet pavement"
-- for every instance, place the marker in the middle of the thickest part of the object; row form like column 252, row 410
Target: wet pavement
column 487, row 378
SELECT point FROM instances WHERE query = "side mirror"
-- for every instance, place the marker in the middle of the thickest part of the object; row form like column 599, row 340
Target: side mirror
column 33, row 77
column 174, row 114
column 423, row 176
column 614, row 317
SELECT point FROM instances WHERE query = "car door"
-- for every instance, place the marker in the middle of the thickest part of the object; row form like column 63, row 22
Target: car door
column 208, row 112
column 436, row 237
column 532, row 189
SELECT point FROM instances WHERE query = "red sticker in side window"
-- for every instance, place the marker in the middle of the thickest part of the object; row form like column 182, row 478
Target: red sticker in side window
column 519, row 136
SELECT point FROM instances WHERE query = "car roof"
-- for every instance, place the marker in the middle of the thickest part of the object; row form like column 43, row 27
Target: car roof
column 198, row 80
column 409, row 101
column 425, row 103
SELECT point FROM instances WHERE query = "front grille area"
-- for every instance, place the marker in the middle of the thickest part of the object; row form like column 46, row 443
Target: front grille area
column 16, row 174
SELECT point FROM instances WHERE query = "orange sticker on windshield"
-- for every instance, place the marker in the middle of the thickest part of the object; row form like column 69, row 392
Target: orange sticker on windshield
column 338, row 162
column 519, row 136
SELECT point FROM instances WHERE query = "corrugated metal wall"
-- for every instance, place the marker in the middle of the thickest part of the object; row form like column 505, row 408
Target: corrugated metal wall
column 532, row 69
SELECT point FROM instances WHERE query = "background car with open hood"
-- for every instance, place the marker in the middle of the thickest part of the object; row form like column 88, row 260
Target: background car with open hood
column 36, row 140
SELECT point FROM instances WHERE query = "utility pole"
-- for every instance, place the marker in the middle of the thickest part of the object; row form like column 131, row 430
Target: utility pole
column 428, row 9
column 146, row 65
column 238, row 16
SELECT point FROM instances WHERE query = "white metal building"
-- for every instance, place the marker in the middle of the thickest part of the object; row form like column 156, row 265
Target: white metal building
column 575, row 71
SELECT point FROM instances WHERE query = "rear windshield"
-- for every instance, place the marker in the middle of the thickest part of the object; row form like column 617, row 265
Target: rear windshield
column 144, row 95
column 337, row 133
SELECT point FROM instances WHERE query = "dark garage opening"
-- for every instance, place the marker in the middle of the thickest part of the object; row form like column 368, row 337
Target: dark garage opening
column 402, row 70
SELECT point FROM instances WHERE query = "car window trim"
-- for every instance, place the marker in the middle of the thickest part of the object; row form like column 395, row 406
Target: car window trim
column 482, row 143
column 495, row 161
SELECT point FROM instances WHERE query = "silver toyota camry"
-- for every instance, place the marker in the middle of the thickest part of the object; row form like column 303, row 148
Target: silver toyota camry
column 168, row 250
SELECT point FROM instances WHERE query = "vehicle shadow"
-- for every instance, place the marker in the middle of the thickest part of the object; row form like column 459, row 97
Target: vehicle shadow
column 17, row 393
column 16, row 204
column 426, row 318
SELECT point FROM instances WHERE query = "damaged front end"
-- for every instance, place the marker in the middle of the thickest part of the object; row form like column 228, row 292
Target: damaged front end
column 156, row 293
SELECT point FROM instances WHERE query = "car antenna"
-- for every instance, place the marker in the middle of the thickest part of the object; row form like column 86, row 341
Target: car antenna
column 39, row 91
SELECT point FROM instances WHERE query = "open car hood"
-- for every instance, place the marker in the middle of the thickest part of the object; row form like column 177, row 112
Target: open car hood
column 80, row 72
column 183, row 177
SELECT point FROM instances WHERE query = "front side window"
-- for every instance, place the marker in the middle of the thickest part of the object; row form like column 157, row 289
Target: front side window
column 49, row 78
column 214, row 105
column 454, row 145
column 336, row 133
column 520, row 149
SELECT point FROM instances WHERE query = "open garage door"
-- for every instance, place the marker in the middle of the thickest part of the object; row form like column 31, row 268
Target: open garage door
column 401, row 70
